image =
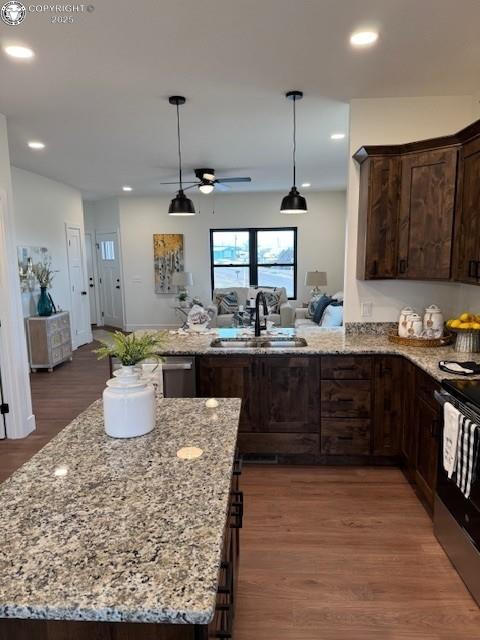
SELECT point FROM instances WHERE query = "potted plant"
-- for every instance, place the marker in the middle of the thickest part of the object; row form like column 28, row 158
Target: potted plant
column 44, row 276
column 129, row 400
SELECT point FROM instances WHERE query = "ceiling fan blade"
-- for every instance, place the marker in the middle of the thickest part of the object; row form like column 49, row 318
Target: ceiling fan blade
column 221, row 187
column 233, row 180
column 194, row 184
column 177, row 182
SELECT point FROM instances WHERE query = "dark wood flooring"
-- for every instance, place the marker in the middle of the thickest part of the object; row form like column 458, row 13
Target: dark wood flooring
column 57, row 398
column 327, row 553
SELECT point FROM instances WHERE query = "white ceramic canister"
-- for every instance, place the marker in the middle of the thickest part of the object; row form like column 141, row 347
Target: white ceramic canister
column 433, row 322
column 414, row 326
column 402, row 323
column 128, row 405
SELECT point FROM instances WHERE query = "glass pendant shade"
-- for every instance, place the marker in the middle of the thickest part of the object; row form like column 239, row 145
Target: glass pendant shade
column 293, row 203
column 181, row 205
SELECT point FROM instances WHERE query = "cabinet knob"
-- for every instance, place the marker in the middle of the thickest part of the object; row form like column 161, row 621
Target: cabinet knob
column 84, row 293
column 402, row 265
column 472, row 269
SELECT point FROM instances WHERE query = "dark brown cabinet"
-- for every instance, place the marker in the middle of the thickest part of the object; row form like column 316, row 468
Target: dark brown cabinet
column 230, row 377
column 378, row 218
column 387, row 409
column 407, row 426
column 467, row 233
column 425, row 229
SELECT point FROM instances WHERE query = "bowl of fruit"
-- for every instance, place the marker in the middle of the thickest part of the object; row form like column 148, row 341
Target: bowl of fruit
column 467, row 329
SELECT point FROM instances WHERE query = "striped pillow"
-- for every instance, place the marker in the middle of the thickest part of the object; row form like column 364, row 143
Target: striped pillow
column 227, row 303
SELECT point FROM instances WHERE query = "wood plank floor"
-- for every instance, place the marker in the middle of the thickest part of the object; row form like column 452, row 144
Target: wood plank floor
column 57, row 398
column 344, row 554
column 327, row 553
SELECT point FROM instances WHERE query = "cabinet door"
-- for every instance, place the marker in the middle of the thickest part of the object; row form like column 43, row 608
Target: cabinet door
column 378, row 218
column 288, row 388
column 229, row 377
column 426, row 214
column 467, row 233
column 408, row 435
column 427, row 422
column 387, row 406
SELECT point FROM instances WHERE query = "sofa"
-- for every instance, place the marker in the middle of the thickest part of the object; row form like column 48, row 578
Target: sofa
column 331, row 317
column 285, row 317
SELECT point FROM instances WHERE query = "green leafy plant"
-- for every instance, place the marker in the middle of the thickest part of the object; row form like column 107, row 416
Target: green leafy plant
column 43, row 273
column 132, row 348
column 182, row 296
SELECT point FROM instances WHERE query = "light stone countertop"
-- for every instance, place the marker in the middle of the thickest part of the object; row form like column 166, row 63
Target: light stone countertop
column 127, row 531
column 323, row 341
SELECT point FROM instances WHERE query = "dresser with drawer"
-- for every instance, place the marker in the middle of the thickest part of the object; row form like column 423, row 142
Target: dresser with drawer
column 49, row 340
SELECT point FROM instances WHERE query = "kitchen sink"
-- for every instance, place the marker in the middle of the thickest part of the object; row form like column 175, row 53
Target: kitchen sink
column 263, row 342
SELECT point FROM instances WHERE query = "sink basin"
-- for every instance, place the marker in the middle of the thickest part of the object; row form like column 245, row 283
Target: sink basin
column 263, row 342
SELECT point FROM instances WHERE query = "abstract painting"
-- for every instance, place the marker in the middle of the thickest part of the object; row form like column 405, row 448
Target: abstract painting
column 28, row 257
column 167, row 258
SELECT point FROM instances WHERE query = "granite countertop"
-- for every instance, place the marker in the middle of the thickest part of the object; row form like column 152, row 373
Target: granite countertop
column 322, row 341
column 94, row 528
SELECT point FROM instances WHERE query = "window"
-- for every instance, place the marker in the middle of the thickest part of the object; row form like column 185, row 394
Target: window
column 254, row 257
column 107, row 248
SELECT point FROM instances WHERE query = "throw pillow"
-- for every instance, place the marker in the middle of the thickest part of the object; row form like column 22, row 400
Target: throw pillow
column 320, row 307
column 273, row 300
column 227, row 303
column 312, row 305
column 333, row 315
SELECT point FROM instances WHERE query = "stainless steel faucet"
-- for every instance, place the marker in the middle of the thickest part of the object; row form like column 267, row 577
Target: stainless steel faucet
column 258, row 326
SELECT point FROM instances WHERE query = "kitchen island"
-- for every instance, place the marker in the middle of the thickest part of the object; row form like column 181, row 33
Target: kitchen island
column 116, row 539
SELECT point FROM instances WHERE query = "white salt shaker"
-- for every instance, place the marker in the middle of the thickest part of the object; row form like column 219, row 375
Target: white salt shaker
column 433, row 322
column 402, row 323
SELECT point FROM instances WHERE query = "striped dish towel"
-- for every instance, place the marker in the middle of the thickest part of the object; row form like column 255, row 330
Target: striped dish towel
column 467, row 455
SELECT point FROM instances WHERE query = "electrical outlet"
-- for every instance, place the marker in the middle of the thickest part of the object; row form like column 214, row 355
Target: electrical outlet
column 366, row 309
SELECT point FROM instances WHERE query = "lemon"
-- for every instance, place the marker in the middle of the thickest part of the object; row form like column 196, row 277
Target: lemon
column 455, row 324
column 475, row 325
column 464, row 325
column 449, row 322
column 465, row 317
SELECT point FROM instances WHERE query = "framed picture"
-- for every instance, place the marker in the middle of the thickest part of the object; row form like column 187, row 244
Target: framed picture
column 167, row 259
column 28, row 257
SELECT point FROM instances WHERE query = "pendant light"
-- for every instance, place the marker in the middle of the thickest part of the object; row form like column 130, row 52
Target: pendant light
column 180, row 205
column 294, row 202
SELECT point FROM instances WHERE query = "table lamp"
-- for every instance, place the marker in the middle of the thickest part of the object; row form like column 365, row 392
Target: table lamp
column 315, row 280
column 182, row 280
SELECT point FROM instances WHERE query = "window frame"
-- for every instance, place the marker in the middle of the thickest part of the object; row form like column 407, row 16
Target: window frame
column 253, row 263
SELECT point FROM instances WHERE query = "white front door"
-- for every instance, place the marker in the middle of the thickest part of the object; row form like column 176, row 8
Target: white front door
column 91, row 277
column 79, row 313
column 109, row 275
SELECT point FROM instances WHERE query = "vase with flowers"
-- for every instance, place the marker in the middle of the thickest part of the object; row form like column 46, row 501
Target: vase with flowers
column 44, row 275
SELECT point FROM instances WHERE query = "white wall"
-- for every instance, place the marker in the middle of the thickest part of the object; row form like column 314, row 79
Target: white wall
column 321, row 235
column 42, row 207
column 102, row 215
column 13, row 351
column 392, row 121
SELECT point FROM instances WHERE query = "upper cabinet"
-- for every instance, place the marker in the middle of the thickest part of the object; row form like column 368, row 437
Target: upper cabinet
column 425, row 224
column 419, row 209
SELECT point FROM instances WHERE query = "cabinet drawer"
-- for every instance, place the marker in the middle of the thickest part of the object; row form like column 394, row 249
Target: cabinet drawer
column 346, row 398
column 346, row 437
column 346, row 368
column 281, row 443
column 56, row 339
column 425, row 386
column 56, row 355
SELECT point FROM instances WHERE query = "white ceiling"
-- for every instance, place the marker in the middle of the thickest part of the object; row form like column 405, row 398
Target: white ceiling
column 96, row 92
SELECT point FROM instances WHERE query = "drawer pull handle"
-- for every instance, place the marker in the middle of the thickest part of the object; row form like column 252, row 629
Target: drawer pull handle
column 345, row 437
column 472, row 269
column 345, row 400
column 227, row 588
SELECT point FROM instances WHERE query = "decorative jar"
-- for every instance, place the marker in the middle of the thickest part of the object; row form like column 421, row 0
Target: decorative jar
column 128, row 404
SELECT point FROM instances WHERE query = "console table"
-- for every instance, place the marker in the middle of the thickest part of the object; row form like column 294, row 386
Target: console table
column 49, row 340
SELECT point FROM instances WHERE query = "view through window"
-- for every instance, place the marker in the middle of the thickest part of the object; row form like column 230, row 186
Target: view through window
column 254, row 257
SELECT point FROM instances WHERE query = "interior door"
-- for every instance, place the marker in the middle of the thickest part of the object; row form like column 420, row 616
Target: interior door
column 91, row 277
column 80, row 314
column 109, row 270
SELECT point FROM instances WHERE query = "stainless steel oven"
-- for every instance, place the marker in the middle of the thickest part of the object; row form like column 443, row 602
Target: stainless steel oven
column 456, row 518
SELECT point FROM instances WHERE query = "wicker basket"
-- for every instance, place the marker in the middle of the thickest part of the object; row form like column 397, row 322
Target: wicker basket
column 427, row 343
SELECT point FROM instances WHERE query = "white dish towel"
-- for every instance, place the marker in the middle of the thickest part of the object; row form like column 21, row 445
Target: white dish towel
column 451, row 418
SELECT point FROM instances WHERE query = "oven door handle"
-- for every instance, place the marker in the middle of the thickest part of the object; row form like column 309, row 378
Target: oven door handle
column 442, row 397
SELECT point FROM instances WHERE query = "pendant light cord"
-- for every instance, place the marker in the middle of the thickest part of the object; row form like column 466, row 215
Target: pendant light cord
column 294, row 139
column 179, row 149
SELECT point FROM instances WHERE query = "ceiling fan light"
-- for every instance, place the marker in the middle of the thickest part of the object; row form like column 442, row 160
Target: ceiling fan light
column 181, row 205
column 208, row 176
column 293, row 203
column 206, row 188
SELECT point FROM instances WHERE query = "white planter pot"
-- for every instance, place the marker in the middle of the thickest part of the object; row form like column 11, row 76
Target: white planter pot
column 128, row 405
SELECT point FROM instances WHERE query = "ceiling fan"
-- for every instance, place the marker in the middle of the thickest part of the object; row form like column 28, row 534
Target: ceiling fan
column 207, row 181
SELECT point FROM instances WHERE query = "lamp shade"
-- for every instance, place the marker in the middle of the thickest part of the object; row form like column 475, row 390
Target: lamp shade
column 293, row 203
column 316, row 279
column 181, row 205
column 182, row 279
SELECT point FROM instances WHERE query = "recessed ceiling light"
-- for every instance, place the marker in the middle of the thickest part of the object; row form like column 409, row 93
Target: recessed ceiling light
column 35, row 144
column 127, row 188
column 337, row 136
column 363, row 38
column 16, row 51
column 306, row 184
